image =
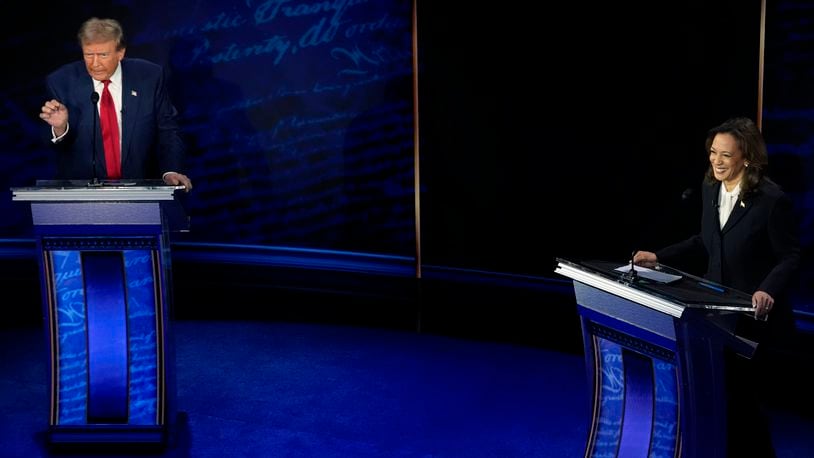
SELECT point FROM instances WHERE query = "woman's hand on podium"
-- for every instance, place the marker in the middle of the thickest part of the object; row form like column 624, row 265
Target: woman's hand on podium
column 762, row 303
column 645, row 259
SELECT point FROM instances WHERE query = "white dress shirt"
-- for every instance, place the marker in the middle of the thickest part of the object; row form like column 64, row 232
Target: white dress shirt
column 726, row 202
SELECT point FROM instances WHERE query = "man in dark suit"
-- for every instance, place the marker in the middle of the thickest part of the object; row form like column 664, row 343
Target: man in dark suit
column 135, row 134
column 749, row 238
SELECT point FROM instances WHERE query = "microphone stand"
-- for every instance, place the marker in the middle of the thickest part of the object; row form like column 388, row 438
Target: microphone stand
column 631, row 275
column 94, row 98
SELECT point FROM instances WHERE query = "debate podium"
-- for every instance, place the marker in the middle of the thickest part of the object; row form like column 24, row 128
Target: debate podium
column 655, row 349
column 106, row 289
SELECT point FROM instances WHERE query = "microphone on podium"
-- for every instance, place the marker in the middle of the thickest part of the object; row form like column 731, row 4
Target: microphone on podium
column 94, row 98
column 631, row 275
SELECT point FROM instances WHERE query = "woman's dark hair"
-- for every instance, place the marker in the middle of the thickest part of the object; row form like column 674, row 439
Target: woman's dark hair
column 751, row 143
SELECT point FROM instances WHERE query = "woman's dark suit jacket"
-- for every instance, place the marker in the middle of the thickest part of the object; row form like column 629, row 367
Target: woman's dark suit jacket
column 757, row 249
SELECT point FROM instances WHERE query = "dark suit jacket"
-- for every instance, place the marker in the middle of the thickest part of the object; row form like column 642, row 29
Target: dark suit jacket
column 150, row 143
column 757, row 249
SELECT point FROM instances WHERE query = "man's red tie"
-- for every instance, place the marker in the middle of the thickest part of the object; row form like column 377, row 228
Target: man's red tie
column 110, row 134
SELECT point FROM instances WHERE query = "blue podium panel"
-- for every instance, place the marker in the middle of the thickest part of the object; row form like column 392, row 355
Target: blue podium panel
column 105, row 308
column 636, row 397
column 654, row 351
column 105, row 271
column 106, row 316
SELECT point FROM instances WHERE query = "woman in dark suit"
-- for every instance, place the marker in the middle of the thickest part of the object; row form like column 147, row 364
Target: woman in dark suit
column 749, row 238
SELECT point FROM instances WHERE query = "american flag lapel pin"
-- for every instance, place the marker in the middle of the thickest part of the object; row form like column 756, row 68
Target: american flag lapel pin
column 134, row 93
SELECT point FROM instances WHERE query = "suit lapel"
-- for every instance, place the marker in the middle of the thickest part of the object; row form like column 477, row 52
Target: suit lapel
column 714, row 191
column 741, row 208
column 130, row 108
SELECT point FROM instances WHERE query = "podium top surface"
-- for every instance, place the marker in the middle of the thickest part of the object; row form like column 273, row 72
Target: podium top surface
column 106, row 190
column 687, row 291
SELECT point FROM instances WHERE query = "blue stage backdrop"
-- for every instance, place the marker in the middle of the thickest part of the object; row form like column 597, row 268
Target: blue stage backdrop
column 788, row 122
column 298, row 115
column 299, row 120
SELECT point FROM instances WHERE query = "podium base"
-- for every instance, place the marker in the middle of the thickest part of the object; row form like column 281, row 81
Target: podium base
column 107, row 435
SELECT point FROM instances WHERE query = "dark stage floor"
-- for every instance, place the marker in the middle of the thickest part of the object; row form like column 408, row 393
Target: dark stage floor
column 264, row 388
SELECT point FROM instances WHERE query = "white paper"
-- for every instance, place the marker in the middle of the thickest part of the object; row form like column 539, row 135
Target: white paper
column 651, row 274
